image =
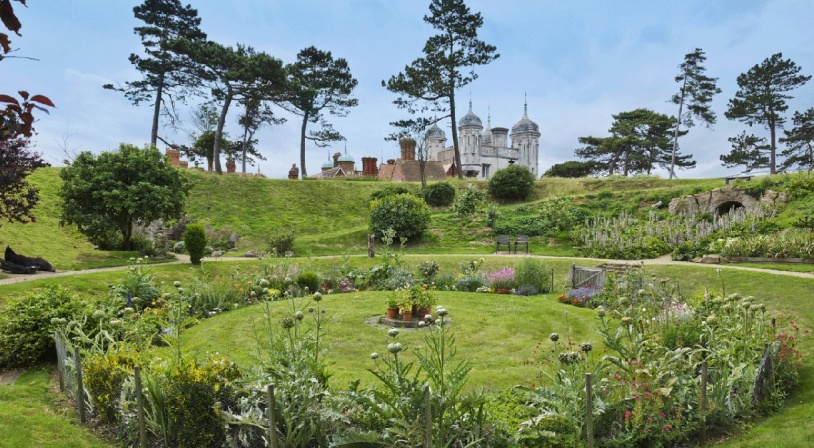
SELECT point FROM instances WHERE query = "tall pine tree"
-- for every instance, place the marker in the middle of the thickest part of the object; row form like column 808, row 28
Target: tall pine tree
column 761, row 99
column 165, row 81
column 696, row 93
column 799, row 142
column 429, row 83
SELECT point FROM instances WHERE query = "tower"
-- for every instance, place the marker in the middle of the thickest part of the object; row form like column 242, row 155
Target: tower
column 469, row 136
column 436, row 141
column 526, row 139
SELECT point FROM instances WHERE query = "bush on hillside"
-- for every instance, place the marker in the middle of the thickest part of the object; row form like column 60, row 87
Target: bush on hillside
column 281, row 243
column 407, row 215
column 388, row 191
column 467, row 202
column 439, row 194
column 514, row 183
column 27, row 328
column 195, row 242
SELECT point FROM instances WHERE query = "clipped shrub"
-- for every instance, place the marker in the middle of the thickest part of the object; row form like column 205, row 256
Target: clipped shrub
column 388, row 191
column 27, row 327
column 439, row 194
column 514, row 183
column 407, row 215
column 308, row 279
column 179, row 247
column 281, row 243
column 195, row 242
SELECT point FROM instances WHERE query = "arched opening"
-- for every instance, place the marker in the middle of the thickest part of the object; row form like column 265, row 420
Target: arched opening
column 727, row 207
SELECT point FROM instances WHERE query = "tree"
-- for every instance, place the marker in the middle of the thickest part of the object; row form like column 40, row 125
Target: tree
column 110, row 192
column 195, row 242
column 800, row 142
column 761, row 98
column 405, row 214
column 573, row 168
column 16, row 119
column 256, row 113
column 748, row 150
column 318, row 82
column 232, row 74
column 696, row 92
column 204, row 147
column 165, row 78
column 430, row 82
column 17, row 197
column 639, row 142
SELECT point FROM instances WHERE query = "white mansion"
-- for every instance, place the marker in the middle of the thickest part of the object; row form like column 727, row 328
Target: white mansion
column 484, row 151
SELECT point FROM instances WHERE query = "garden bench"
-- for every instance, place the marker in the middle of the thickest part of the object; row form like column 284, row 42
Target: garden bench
column 521, row 240
column 503, row 240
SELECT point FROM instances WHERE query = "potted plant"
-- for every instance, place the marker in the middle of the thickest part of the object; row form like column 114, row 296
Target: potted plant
column 406, row 302
column 424, row 300
column 392, row 305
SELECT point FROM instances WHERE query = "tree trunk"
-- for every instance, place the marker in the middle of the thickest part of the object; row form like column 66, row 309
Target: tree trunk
column 455, row 147
column 127, row 233
column 678, row 124
column 245, row 134
column 219, row 131
column 157, row 110
column 772, row 156
column 304, row 174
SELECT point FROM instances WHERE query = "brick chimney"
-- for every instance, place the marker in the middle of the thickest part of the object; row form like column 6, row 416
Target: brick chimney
column 174, row 157
column 407, row 148
column 369, row 167
column 294, row 172
column 337, row 155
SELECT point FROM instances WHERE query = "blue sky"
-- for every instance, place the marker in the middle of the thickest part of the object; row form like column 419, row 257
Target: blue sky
column 579, row 62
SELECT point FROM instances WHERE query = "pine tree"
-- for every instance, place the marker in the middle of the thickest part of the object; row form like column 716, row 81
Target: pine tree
column 429, row 83
column 696, row 92
column 762, row 99
column 800, row 142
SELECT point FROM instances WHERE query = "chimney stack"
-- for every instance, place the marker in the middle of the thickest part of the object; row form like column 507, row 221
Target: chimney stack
column 369, row 167
column 294, row 172
column 407, row 148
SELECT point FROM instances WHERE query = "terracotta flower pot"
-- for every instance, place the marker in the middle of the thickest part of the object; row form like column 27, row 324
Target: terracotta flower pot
column 423, row 312
column 407, row 315
column 392, row 313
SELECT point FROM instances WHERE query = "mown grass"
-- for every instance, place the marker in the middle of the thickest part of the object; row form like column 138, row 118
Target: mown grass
column 33, row 414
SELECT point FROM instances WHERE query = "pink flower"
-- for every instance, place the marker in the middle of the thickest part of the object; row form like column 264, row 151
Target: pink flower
column 637, row 397
column 668, row 427
column 647, row 395
column 649, row 419
column 662, row 415
column 627, row 415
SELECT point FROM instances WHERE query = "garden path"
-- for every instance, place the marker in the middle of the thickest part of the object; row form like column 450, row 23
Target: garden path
column 181, row 259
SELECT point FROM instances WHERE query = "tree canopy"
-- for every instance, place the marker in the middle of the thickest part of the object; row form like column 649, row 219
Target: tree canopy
column 429, row 83
column 165, row 79
column 696, row 92
column 799, row 142
column 17, row 197
column 573, row 168
column 232, row 74
column 316, row 83
column 748, row 150
column 639, row 142
column 106, row 194
column 761, row 99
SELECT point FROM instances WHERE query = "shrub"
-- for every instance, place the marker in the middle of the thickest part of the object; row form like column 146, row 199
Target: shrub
column 105, row 374
column 195, row 242
column 281, row 243
column 388, row 191
column 502, row 281
column 308, row 279
column 407, row 215
column 179, row 247
column 533, row 274
column 27, row 327
column 514, row 183
column 467, row 203
column 439, row 194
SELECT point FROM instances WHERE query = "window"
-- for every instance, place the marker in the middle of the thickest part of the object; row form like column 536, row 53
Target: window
column 485, row 170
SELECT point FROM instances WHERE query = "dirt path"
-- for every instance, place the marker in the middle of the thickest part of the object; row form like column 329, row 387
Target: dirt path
column 183, row 259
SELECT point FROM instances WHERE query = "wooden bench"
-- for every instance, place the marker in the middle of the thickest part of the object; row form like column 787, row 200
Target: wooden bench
column 521, row 240
column 503, row 240
column 732, row 179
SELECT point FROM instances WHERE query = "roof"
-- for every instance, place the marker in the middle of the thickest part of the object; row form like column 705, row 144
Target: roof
column 346, row 158
column 470, row 119
column 525, row 126
column 410, row 171
column 436, row 133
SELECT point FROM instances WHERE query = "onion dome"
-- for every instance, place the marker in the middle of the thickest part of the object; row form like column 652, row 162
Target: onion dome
column 436, row 133
column 346, row 158
column 470, row 119
column 327, row 165
column 525, row 126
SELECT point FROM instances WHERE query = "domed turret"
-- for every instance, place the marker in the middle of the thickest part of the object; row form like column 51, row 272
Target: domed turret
column 346, row 158
column 327, row 165
column 435, row 133
column 525, row 126
column 470, row 119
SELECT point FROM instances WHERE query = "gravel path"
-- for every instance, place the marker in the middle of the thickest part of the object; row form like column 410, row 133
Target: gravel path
column 182, row 259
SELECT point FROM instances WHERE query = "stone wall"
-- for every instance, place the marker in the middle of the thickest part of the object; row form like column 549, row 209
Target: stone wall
column 721, row 200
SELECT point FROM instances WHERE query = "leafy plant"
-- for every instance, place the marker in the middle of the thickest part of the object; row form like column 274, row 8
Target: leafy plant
column 514, row 183
column 195, row 242
column 407, row 215
column 467, row 202
column 281, row 244
column 438, row 194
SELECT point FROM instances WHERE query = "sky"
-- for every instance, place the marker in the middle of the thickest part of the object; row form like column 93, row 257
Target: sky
column 576, row 62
